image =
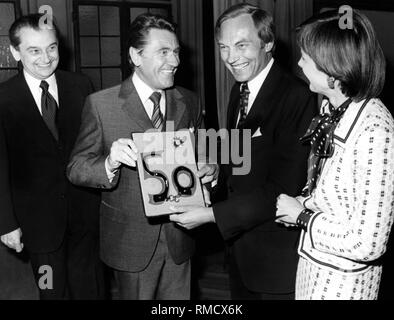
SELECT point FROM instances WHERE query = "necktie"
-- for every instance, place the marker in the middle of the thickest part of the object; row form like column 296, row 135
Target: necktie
column 243, row 104
column 320, row 135
column 49, row 109
column 157, row 116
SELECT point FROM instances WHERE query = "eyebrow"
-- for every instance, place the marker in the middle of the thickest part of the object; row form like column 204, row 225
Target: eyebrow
column 33, row 47
column 237, row 43
column 242, row 41
column 168, row 48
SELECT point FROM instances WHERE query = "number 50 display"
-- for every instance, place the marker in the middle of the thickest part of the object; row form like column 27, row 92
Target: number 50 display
column 166, row 169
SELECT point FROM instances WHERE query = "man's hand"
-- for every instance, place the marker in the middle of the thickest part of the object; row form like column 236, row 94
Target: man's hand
column 122, row 151
column 190, row 217
column 207, row 172
column 288, row 209
column 13, row 240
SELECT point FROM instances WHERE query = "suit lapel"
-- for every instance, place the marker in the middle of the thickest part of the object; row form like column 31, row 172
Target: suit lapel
column 133, row 106
column 175, row 107
column 233, row 107
column 30, row 113
column 68, row 111
column 263, row 102
column 65, row 94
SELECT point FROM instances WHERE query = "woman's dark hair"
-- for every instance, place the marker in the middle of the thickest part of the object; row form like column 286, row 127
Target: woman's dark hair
column 141, row 26
column 352, row 56
column 28, row 21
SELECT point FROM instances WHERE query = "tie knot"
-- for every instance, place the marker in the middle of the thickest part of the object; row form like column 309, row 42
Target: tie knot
column 44, row 85
column 155, row 97
column 244, row 88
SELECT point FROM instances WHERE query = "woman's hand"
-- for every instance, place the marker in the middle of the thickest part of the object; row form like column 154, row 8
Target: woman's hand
column 287, row 210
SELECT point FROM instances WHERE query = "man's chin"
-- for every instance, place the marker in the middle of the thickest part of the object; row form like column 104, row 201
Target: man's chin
column 240, row 78
column 167, row 84
column 47, row 71
column 45, row 75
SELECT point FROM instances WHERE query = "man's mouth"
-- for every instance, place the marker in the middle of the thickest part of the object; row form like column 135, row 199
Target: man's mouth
column 46, row 65
column 169, row 71
column 239, row 66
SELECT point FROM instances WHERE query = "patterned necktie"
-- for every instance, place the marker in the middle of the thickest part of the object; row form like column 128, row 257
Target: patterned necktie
column 157, row 116
column 320, row 135
column 243, row 104
column 49, row 109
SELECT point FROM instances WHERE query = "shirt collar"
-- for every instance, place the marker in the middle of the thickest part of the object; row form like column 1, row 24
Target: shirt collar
column 255, row 84
column 35, row 83
column 144, row 91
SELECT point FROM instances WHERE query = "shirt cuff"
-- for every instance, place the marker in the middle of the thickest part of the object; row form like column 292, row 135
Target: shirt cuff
column 110, row 174
column 303, row 218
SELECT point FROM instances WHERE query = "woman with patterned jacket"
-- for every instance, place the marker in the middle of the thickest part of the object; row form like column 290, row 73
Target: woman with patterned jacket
column 346, row 209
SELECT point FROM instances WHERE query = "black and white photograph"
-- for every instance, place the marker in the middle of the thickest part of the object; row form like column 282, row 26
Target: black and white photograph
column 286, row 109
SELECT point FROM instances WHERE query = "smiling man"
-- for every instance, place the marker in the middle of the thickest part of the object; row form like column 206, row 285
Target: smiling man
column 39, row 119
column 277, row 108
column 150, row 259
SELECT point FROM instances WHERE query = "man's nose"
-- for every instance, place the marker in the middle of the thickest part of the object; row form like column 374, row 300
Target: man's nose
column 45, row 57
column 173, row 59
column 232, row 55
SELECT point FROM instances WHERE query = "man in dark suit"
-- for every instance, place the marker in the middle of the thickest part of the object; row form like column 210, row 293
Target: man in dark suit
column 150, row 258
column 277, row 109
column 39, row 120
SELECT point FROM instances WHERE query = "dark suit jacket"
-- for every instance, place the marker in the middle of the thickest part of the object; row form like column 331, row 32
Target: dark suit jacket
column 34, row 191
column 127, row 239
column 266, row 252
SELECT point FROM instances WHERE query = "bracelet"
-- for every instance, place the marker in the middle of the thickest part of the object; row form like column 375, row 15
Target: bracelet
column 303, row 218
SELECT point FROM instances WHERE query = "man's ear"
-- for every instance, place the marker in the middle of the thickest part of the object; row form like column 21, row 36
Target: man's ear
column 15, row 53
column 268, row 46
column 135, row 56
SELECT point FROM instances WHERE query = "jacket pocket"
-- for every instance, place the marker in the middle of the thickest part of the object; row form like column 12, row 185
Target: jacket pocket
column 112, row 213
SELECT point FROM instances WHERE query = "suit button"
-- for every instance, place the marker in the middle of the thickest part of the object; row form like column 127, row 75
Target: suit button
column 230, row 189
column 62, row 196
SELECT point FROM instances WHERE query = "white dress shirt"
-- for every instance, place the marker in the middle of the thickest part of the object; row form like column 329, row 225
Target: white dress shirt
column 36, row 91
column 144, row 92
column 255, row 84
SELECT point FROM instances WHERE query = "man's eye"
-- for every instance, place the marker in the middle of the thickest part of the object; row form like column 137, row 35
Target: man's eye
column 52, row 48
column 242, row 46
column 163, row 53
column 34, row 51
